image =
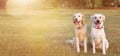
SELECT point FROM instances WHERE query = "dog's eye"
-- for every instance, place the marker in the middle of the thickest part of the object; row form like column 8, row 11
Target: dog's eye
column 73, row 16
column 95, row 17
column 100, row 17
column 79, row 16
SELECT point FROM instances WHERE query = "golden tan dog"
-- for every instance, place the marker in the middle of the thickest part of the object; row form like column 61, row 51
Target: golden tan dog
column 80, row 32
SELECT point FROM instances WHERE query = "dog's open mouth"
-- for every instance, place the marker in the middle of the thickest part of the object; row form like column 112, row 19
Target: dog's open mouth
column 97, row 25
column 76, row 22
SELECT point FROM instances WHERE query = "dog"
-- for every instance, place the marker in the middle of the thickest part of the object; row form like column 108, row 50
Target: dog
column 80, row 37
column 98, row 36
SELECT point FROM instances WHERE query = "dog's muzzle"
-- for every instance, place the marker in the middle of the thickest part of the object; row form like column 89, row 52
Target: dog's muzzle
column 75, row 21
column 97, row 24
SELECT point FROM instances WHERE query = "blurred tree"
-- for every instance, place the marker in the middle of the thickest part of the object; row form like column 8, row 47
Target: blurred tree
column 111, row 3
column 116, row 2
column 95, row 3
column 3, row 4
column 71, row 3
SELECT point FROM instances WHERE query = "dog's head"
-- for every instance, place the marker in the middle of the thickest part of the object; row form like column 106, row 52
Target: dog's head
column 78, row 19
column 97, row 20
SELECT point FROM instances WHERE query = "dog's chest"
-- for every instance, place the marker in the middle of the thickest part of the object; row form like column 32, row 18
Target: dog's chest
column 80, row 34
column 98, row 33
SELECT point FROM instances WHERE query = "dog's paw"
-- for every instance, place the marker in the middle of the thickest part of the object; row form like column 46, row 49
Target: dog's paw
column 78, row 50
column 85, row 51
column 104, row 53
column 93, row 52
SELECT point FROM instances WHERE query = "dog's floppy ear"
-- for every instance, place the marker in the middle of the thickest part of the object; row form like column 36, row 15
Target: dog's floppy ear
column 83, row 19
column 73, row 18
column 103, row 17
column 92, row 17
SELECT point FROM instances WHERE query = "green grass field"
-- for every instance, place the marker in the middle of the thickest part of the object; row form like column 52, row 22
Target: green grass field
column 43, row 33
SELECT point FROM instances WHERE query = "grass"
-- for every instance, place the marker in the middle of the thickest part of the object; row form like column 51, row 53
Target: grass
column 43, row 33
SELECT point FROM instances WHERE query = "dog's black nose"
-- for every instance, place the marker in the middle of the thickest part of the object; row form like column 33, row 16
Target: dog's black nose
column 75, row 19
column 98, row 21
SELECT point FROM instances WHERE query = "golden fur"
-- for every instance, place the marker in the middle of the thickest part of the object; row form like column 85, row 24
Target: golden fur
column 80, row 32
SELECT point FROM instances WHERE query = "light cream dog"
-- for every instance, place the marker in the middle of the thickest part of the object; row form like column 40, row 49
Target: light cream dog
column 98, row 34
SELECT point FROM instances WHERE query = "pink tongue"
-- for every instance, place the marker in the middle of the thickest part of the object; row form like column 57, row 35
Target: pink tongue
column 97, row 25
column 76, row 22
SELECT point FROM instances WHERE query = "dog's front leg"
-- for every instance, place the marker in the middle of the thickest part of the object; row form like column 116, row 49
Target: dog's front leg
column 93, row 45
column 103, row 46
column 85, row 45
column 77, row 44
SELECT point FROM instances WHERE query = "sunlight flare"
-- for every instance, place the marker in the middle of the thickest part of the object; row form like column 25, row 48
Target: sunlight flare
column 21, row 6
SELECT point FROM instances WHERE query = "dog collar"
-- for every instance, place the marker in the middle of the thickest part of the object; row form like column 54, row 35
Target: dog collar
column 81, row 27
